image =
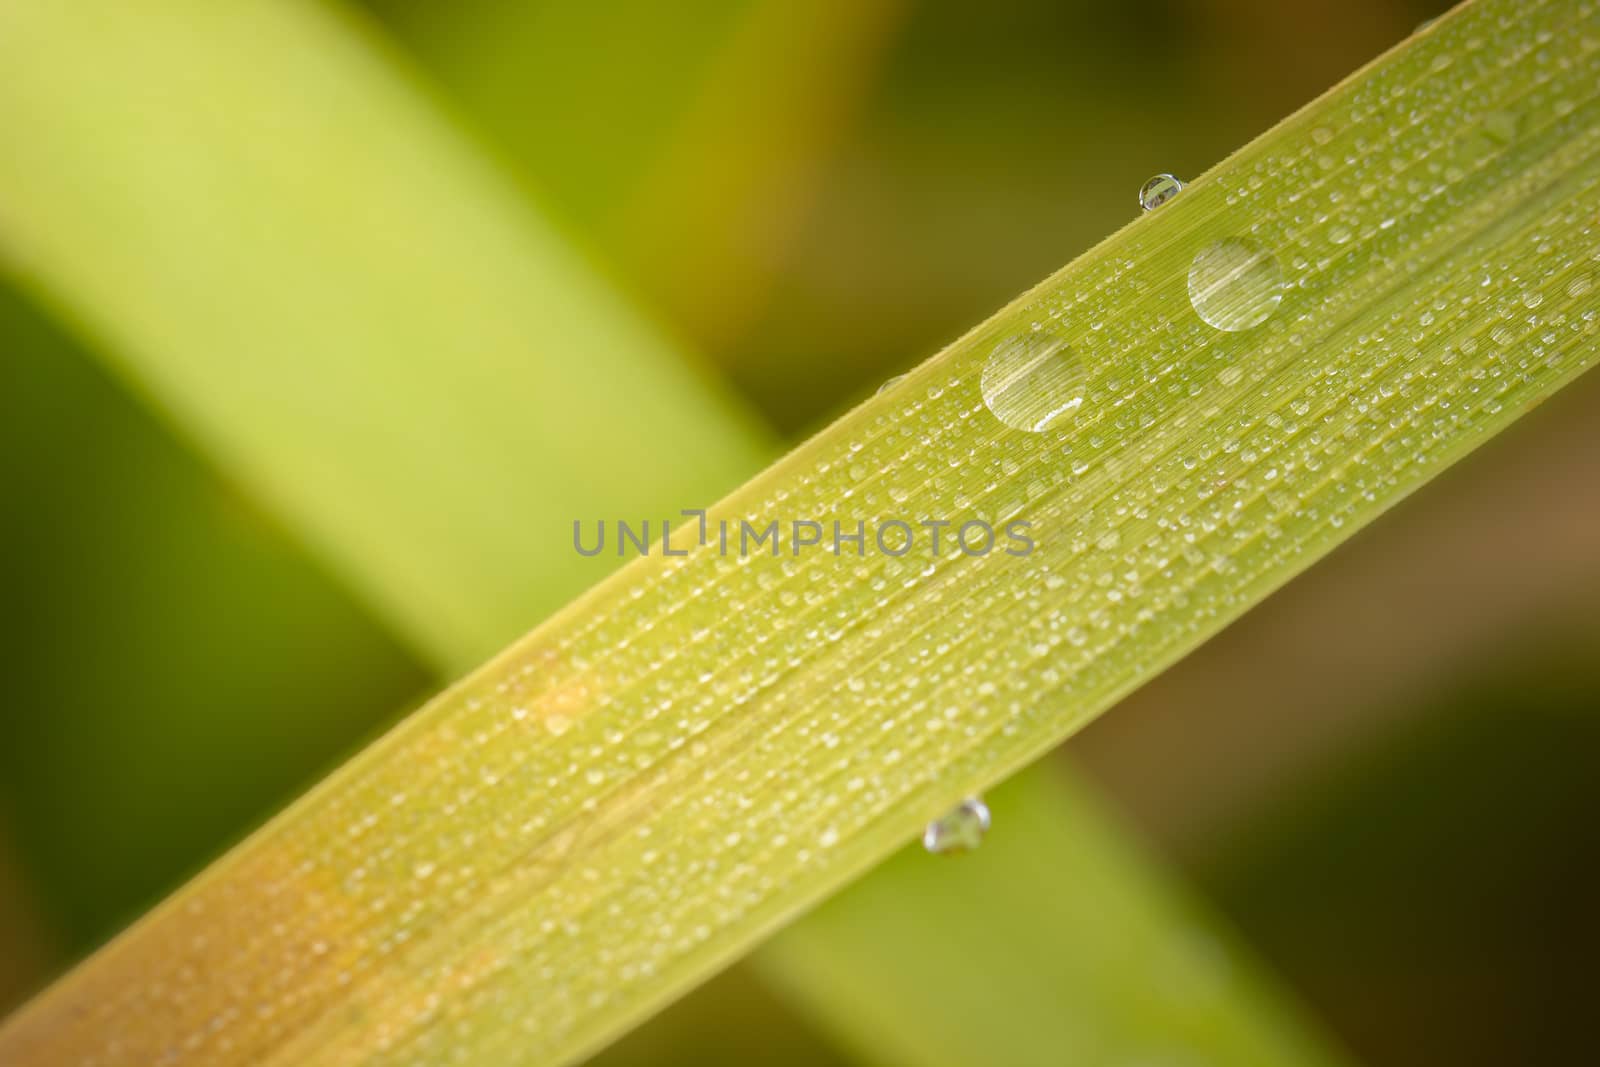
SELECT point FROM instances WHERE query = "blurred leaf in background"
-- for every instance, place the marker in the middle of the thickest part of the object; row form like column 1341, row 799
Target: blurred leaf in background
column 704, row 127
column 174, row 664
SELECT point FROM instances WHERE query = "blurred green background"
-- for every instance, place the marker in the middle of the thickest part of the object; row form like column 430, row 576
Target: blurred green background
column 1384, row 777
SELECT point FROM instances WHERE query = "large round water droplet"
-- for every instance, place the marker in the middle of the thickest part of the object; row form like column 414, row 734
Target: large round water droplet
column 1235, row 284
column 1158, row 191
column 1032, row 380
column 961, row 830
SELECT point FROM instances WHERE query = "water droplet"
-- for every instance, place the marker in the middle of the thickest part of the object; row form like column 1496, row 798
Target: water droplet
column 890, row 384
column 1235, row 284
column 1158, row 191
column 1032, row 380
column 961, row 830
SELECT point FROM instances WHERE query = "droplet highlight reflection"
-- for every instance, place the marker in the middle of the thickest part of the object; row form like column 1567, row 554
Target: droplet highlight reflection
column 1159, row 190
column 961, row 830
column 1235, row 284
column 1032, row 381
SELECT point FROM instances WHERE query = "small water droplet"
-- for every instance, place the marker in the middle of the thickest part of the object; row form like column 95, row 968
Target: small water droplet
column 1235, row 284
column 1032, row 380
column 890, row 384
column 556, row 724
column 1158, row 191
column 960, row 830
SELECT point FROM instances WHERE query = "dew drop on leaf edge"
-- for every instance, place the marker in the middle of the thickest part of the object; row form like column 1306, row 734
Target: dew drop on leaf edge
column 1159, row 190
column 959, row 830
